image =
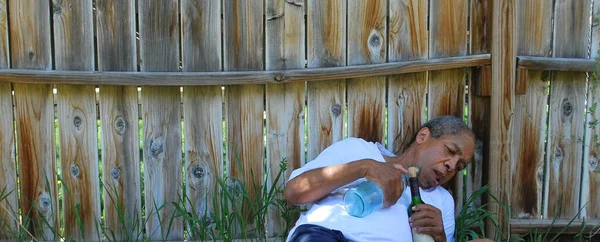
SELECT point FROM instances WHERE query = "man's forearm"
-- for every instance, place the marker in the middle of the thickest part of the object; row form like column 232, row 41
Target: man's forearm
column 315, row 184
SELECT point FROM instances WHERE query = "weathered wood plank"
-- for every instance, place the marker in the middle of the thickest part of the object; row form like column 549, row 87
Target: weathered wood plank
column 285, row 49
column 34, row 115
column 366, row 96
column 556, row 64
column 201, row 28
column 239, row 77
column 502, row 106
column 79, row 161
column 534, row 38
column 591, row 170
column 115, row 29
column 521, row 226
column 9, row 206
column 244, row 44
column 566, row 110
column 326, row 43
column 409, row 40
column 74, row 50
column 159, row 51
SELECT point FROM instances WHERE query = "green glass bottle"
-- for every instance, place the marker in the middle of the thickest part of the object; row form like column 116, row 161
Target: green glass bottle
column 416, row 200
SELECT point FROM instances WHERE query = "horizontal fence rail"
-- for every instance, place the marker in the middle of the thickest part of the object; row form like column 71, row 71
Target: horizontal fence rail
column 238, row 77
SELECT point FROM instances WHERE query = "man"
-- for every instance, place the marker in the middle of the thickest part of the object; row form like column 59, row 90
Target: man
column 442, row 147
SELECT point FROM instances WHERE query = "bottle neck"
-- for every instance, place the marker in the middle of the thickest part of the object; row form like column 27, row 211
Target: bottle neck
column 414, row 188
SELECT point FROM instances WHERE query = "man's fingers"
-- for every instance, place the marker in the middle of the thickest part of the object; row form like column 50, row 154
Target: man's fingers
column 424, row 222
column 400, row 167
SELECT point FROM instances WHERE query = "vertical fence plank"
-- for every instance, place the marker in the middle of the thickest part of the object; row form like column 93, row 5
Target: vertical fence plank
column 479, row 105
column 408, row 40
column 326, row 43
column 30, row 49
column 567, row 106
column 161, row 112
column 115, row 29
column 74, row 50
column 503, row 52
column 285, row 49
column 534, row 38
column 591, row 171
column 366, row 96
column 244, row 44
column 448, row 30
column 201, row 45
column 9, row 206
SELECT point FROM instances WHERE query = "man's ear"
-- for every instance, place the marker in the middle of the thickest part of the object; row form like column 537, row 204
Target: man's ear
column 423, row 135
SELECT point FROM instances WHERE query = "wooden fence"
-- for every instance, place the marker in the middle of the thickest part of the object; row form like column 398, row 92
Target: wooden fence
column 233, row 87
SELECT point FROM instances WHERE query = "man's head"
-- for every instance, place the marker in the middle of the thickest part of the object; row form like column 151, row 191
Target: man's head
column 442, row 147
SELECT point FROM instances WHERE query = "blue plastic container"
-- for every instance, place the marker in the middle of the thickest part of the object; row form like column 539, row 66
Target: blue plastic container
column 363, row 199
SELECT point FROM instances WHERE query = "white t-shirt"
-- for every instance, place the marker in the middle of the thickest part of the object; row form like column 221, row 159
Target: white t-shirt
column 388, row 224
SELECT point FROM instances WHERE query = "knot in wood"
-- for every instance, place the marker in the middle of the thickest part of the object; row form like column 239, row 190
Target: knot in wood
column 375, row 40
column 77, row 122
column 120, row 125
column 279, row 77
column 31, row 55
column 540, row 175
column 567, row 108
column 115, row 173
column 558, row 154
column 156, row 147
column 198, row 172
column 56, row 7
column 593, row 163
column 74, row 170
column 44, row 203
column 336, row 109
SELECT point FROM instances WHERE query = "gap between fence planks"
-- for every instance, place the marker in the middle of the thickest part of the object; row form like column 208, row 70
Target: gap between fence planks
column 238, row 77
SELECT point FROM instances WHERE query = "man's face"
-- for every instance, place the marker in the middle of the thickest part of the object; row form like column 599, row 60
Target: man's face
column 440, row 158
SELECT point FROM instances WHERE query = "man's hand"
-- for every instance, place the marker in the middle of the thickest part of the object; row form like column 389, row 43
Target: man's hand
column 427, row 219
column 388, row 177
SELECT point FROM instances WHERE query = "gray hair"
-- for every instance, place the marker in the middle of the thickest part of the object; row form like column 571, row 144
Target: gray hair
column 446, row 125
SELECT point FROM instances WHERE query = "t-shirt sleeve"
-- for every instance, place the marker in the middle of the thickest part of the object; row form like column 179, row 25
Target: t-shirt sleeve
column 448, row 216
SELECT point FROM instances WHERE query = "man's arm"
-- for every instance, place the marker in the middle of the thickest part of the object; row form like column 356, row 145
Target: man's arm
column 312, row 185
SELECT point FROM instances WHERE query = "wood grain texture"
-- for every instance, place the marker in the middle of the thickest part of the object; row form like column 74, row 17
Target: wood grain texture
column 591, row 174
column 481, row 26
column 201, row 28
column 285, row 49
column 407, row 101
column 534, row 38
column 73, row 42
column 162, row 159
column 203, row 149
column 73, row 35
column 34, row 114
column 201, row 35
column 115, row 29
column 366, row 96
column 238, row 77
column 502, row 106
column 556, row 64
column 566, row 108
column 161, row 112
column 244, row 44
column 9, row 206
column 79, row 161
column 326, row 43
column 30, row 49
column 243, row 32
column 527, row 162
column 408, row 35
column 408, row 40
